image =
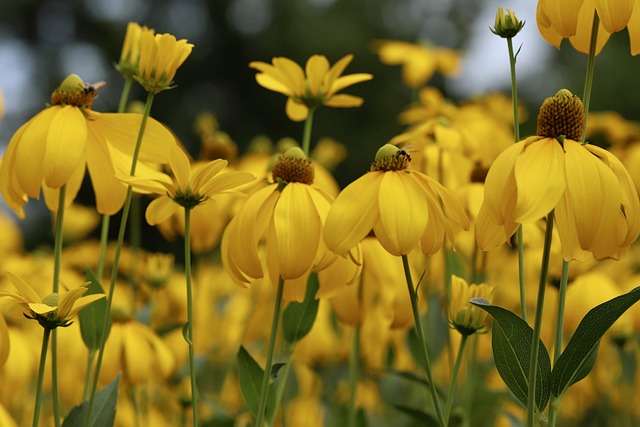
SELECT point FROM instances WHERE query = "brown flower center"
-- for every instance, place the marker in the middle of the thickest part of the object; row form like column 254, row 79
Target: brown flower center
column 561, row 114
column 293, row 166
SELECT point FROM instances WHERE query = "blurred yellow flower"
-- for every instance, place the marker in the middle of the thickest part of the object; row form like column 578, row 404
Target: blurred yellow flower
column 403, row 207
column 51, row 311
column 188, row 188
column 160, row 57
column 596, row 206
column 419, row 61
column 4, row 341
column 56, row 146
column 465, row 317
column 307, row 89
column 130, row 55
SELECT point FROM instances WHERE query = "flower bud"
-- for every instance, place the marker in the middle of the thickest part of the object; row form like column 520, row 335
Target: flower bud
column 507, row 24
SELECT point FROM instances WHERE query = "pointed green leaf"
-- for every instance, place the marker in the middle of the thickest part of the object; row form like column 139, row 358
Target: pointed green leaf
column 104, row 408
column 250, row 376
column 298, row 317
column 512, row 339
column 91, row 317
column 422, row 417
column 578, row 358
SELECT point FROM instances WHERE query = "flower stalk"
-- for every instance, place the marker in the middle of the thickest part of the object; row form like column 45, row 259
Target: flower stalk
column 454, row 379
column 189, row 336
column 43, row 360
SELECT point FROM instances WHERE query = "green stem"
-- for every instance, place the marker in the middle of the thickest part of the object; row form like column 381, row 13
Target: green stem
column 557, row 346
column 43, row 360
column 91, row 356
column 57, row 261
column 124, row 96
column 306, row 136
column 354, row 373
column 535, row 345
column 116, row 258
column 591, row 64
column 264, row 388
column 187, row 272
column 283, row 375
column 523, row 297
column 471, row 382
column 454, row 380
column 104, row 238
column 423, row 343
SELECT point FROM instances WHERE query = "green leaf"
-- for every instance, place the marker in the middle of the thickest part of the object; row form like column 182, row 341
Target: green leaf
column 298, row 317
column 422, row 417
column 512, row 340
column 250, row 376
column 578, row 358
column 91, row 317
column 104, row 408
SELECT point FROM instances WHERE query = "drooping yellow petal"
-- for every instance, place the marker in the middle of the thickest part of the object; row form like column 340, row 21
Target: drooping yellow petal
column 568, row 232
column 353, row 213
column 563, row 16
column 316, row 69
column 29, row 157
column 544, row 26
column 500, row 191
column 298, row 230
column 404, row 213
column 160, row 210
column 634, row 30
column 23, row 288
column 12, row 193
column 296, row 111
column 432, row 239
column 582, row 39
column 65, row 146
column 540, row 179
column 52, row 195
column 135, row 346
column 489, row 233
column 614, row 14
column 109, row 191
column 322, row 203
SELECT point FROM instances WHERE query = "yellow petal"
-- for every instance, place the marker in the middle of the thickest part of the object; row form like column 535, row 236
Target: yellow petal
column 432, row 239
column 353, row 213
column 568, row 233
column 52, row 196
column 316, row 69
column 271, row 83
column 82, row 302
column 544, row 26
column 540, row 179
column 296, row 111
column 292, row 73
column 614, row 14
column 30, row 148
column 582, row 39
column 337, row 70
column 180, row 166
column 160, row 209
column 4, row 341
column 298, row 229
column 344, row 101
column 419, row 69
column 500, row 185
column 12, row 193
column 65, row 146
column 563, row 16
column 346, row 81
column 404, row 213
column 226, row 181
column 110, row 192
column 634, row 30
column 137, row 353
column 39, row 308
column 489, row 233
column 67, row 300
column 23, row 288
column 203, row 173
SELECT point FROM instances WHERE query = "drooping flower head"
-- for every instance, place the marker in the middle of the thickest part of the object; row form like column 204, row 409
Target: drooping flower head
column 189, row 187
column 56, row 146
column 465, row 317
column 403, row 207
column 595, row 202
column 160, row 57
column 53, row 310
column 318, row 84
column 130, row 55
column 286, row 219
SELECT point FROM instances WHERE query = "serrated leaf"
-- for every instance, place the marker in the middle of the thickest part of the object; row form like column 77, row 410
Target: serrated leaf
column 422, row 417
column 91, row 317
column 298, row 317
column 511, row 342
column 250, row 376
column 103, row 413
column 578, row 358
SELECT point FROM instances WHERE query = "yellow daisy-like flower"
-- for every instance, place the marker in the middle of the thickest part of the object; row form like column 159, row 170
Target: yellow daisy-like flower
column 573, row 19
column 53, row 310
column 403, row 207
column 160, row 57
column 318, row 84
column 56, row 146
column 419, row 61
column 465, row 317
column 130, row 55
column 190, row 187
column 596, row 206
column 288, row 216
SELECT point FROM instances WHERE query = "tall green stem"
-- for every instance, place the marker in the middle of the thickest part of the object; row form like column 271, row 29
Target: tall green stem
column 535, row 345
column 187, row 272
column 264, row 388
column 306, row 136
column 354, row 373
column 454, row 379
column 423, row 343
column 124, row 96
column 591, row 64
column 43, row 360
column 557, row 346
column 116, row 257
column 283, row 375
column 57, row 261
column 516, row 134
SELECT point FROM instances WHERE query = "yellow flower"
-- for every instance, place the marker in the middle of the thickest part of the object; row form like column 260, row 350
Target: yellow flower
column 53, row 310
column 130, row 55
column 596, row 206
column 573, row 19
column 465, row 317
column 419, row 61
column 307, row 89
column 160, row 57
column 403, row 207
column 188, row 188
column 56, row 146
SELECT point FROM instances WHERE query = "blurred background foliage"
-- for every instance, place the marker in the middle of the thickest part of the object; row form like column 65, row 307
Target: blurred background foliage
column 42, row 41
